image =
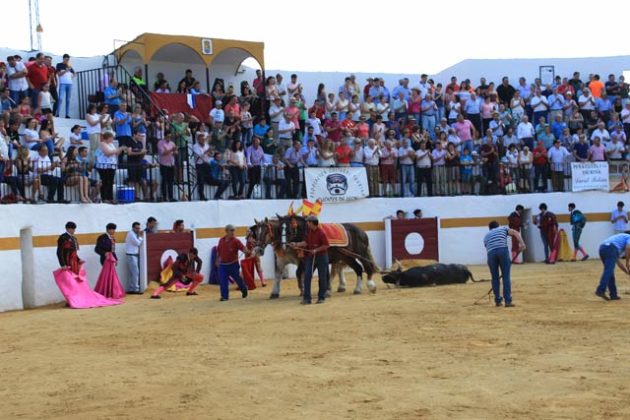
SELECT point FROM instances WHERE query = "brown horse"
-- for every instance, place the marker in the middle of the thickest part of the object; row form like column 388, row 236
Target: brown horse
column 279, row 232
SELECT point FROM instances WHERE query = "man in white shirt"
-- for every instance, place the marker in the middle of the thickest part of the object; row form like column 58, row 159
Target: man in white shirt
column 625, row 119
column 286, row 128
column 293, row 85
column 406, row 156
column 615, row 149
column 45, row 169
column 217, row 115
column 557, row 155
column 601, row 133
column 276, row 110
column 18, row 85
column 134, row 240
column 539, row 105
column 371, row 158
column 282, row 89
column 525, row 132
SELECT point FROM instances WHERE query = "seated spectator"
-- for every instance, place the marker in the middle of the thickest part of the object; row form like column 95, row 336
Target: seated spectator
column 74, row 174
column 44, row 169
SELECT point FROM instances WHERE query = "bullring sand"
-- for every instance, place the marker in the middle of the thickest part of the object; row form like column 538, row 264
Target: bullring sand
column 400, row 354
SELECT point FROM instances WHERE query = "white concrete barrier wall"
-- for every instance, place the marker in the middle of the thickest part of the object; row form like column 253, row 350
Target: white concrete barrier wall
column 461, row 245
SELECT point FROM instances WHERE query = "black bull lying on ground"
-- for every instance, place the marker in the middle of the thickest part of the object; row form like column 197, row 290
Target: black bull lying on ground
column 436, row 274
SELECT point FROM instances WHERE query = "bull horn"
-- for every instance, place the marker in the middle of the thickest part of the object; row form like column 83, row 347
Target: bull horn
column 255, row 221
column 266, row 220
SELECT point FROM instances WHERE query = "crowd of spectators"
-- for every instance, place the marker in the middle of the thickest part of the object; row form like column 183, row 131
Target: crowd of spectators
column 419, row 138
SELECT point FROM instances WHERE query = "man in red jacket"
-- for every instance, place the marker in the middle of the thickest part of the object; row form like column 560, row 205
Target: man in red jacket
column 227, row 261
column 316, row 247
column 548, row 225
column 515, row 222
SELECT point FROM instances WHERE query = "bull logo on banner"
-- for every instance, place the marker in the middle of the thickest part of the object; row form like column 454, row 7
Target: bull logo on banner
column 337, row 184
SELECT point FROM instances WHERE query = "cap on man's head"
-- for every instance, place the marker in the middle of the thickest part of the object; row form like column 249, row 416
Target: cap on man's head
column 71, row 225
column 620, row 204
column 218, row 103
column 229, row 228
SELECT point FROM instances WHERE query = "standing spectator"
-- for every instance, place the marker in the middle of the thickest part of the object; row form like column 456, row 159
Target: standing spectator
column 505, row 90
column 466, row 162
column 247, row 125
column 286, row 131
column 556, row 105
column 255, row 161
column 540, row 106
column 343, row 153
column 429, row 112
column 112, row 97
column 235, row 157
column 406, row 156
column 452, row 170
column 293, row 161
column 372, row 154
column 37, row 77
column 465, row 130
column 276, row 115
column 619, row 218
column 472, row 109
column 587, row 103
column 438, row 157
column 596, row 86
column 66, row 74
column 540, row 167
column 18, row 82
column 597, row 151
column 495, row 242
column 525, row 132
column 557, row 156
column 133, row 242
column 167, row 150
column 423, row 165
column 122, row 124
column 490, row 159
column 93, row 127
column 217, row 114
column 106, row 164
column 388, row 168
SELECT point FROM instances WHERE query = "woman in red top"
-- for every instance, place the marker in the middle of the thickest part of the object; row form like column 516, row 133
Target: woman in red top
column 227, row 261
column 343, row 153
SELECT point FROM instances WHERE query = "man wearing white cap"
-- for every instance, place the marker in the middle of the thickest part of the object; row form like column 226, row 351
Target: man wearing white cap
column 217, row 114
column 316, row 245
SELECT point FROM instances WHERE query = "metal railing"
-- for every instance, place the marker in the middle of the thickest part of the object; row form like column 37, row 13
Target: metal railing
column 91, row 87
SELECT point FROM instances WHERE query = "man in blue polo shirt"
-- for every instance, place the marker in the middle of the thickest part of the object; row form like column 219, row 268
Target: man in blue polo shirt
column 610, row 252
column 580, row 149
column 122, row 125
column 112, row 97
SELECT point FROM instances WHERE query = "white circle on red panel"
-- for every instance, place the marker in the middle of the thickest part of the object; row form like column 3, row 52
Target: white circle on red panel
column 165, row 255
column 414, row 243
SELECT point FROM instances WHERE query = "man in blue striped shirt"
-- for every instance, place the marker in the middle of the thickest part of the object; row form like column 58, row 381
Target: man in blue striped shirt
column 610, row 252
column 496, row 244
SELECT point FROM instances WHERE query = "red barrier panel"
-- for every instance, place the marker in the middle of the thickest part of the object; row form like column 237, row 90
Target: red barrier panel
column 164, row 242
column 415, row 239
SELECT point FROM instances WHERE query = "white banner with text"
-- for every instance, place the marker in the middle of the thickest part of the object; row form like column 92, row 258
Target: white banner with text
column 334, row 185
column 589, row 176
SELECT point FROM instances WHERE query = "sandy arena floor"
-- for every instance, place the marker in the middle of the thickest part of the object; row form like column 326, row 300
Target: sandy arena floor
column 400, row 354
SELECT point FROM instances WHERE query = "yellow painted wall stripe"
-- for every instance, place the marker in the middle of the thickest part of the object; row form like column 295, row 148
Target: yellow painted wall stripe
column 48, row 241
